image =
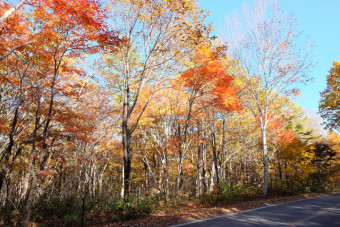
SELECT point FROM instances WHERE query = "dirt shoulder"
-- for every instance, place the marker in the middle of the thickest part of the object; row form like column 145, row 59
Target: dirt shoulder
column 190, row 211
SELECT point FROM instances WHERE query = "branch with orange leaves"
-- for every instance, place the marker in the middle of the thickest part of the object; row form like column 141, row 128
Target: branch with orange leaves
column 11, row 10
column 12, row 50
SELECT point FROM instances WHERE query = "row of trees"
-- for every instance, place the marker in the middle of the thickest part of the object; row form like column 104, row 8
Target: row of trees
column 135, row 97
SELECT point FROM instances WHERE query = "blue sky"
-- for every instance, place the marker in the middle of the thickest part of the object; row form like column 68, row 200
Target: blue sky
column 318, row 20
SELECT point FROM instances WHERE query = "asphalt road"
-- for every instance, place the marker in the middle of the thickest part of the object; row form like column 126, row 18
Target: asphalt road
column 320, row 211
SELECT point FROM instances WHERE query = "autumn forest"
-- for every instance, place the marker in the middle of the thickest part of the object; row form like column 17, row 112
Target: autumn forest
column 130, row 105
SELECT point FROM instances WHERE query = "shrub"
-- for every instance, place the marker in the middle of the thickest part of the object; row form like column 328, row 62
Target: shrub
column 7, row 215
column 56, row 210
column 130, row 208
column 281, row 188
column 229, row 195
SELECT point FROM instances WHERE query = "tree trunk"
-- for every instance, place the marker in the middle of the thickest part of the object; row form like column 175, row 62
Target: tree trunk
column 166, row 185
column 278, row 164
column 199, row 163
column 8, row 151
column 126, row 134
column 212, row 175
column 231, row 173
column 224, row 154
column 215, row 158
column 29, row 202
column 126, row 169
column 199, row 172
column 146, row 175
column 265, row 163
column 246, row 171
column 205, row 177
column 26, row 181
column 30, row 199
column 179, row 173
column 166, row 176
column 10, row 11
column 213, row 141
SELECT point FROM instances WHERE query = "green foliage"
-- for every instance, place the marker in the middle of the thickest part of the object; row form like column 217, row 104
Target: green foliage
column 131, row 208
column 230, row 194
column 70, row 219
column 58, row 208
column 65, row 212
column 68, row 212
column 281, row 187
column 7, row 215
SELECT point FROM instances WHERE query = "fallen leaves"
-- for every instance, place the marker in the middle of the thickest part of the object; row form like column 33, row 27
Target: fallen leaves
column 190, row 211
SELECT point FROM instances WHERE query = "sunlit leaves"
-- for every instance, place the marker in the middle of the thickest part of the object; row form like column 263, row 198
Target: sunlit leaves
column 209, row 77
column 330, row 98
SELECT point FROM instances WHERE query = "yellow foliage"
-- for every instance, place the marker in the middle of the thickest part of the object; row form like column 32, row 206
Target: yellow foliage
column 299, row 158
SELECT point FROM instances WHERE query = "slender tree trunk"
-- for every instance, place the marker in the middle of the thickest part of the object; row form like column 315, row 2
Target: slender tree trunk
column 179, row 173
column 199, row 173
column 278, row 164
column 224, row 154
column 265, row 163
column 286, row 175
column 166, row 186
column 230, row 173
column 212, row 175
column 26, row 180
column 8, row 151
column 126, row 168
column 160, row 177
column 215, row 158
column 100, row 179
column 213, row 140
column 30, row 197
column 242, row 170
column 126, row 134
column 199, row 165
column 146, row 175
column 205, row 177
column 94, row 181
column 180, row 158
column 8, row 183
column 166, row 176
column 246, row 171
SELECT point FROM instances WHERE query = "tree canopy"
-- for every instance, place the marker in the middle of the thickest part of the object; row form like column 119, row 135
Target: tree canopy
column 130, row 106
column 330, row 98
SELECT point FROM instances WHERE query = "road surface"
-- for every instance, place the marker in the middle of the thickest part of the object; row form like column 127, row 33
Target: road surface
column 320, row 211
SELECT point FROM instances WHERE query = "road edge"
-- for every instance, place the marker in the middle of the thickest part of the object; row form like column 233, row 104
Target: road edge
column 244, row 211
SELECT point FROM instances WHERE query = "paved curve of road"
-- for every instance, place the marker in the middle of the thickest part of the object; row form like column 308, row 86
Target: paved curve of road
column 319, row 211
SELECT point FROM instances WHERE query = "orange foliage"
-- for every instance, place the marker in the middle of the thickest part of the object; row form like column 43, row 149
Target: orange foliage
column 280, row 134
column 209, row 77
column 174, row 147
column 286, row 137
column 14, row 32
column 71, row 16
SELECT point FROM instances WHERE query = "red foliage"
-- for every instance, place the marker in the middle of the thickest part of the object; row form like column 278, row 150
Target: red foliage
column 42, row 172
